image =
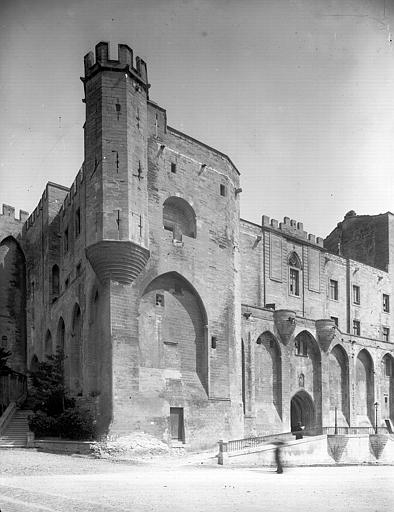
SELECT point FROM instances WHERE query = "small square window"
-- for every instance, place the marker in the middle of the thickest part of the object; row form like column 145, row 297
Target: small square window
column 160, row 300
column 333, row 289
column 385, row 333
column 386, row 303
column 356, row 294
column 335, row 320
column 173, row 167
column 356, row 327
column 223, row 191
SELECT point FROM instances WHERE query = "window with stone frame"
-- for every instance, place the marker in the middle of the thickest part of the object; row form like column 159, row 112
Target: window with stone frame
column 385, row 333
column 356, row 327
column 294, row 263
column 356, row 294
column 386, row 303
column 333, row 287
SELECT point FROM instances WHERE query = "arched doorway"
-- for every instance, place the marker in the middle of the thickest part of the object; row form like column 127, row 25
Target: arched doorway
column 302, row 410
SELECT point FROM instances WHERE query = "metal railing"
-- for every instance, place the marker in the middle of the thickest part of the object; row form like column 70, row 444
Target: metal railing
column 344, row 431
column 13, row 386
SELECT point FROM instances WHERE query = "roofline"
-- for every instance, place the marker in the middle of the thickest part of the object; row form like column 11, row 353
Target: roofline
column 174, row 130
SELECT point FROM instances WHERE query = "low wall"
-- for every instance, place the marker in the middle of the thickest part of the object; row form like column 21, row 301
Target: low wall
column 61, row 446
column 320, row 450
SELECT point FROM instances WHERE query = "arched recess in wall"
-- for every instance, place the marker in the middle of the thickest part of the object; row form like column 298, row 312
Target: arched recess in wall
column 75, row 352
column 172, row 328
column 55, row 282
column 179, row 217
column 13, row 302
column 387, row 387
column 61, row 335
column 268, row 380
column 307, row 365
column 93, row 340
column 364, row 396
column 339, row 385
column 302, row 410
column 34, row 362
column 48, row 344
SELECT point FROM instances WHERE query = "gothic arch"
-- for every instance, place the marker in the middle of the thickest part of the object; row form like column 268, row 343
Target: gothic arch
column 61, row 335
column 364, row 396
column 75, row 351
column 179, row 217
column 181, row 342
column 302, row 410
column 34, row 362
column 339, row 385
column 13, row 301
column 387, row 386
column 307, row 364
column 268, row 379
column 48, row 344
column 55, row 282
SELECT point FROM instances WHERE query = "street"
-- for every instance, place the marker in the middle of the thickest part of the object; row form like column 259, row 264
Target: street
column 31, row 481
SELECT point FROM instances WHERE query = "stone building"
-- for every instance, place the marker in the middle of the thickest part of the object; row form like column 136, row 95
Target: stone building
column 177, row 317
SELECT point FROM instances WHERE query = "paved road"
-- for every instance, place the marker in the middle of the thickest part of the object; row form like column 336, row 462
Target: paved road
column 100, row 487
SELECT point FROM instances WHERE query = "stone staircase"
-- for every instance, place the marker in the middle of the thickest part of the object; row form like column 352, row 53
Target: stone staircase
column 15, row 434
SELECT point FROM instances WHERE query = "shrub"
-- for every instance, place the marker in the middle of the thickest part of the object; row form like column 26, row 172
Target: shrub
column 42, row 425
column 76, row 423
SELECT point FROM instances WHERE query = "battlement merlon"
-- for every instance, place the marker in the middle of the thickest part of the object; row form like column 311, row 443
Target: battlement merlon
column 124, row 63
column 9, row 211
column 291, row 227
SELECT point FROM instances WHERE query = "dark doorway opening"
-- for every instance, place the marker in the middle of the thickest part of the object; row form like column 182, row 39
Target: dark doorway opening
column 177, row 430
column 302, row 410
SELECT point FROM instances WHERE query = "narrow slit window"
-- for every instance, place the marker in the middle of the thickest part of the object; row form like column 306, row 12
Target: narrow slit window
column 173, row 167
column 223, row 191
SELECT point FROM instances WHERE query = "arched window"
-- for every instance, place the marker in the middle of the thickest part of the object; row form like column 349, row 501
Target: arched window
column 179, row 217
column 295, row 267
column 55, row 282
column 61, row 331
column 48, row 344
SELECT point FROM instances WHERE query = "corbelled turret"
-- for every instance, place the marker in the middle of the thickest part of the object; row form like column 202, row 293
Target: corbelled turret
column 116, row 94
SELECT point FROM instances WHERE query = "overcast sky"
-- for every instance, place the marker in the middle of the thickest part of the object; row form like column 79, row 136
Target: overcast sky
column 299, row 94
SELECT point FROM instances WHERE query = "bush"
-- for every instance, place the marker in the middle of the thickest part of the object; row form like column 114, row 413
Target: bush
column 77, row 424
column 42, row 425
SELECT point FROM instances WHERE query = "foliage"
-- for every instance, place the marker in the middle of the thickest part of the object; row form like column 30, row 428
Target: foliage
column 55, row 410
column 77, row 423
column 42, row 425
column 48, row 393
column 4, row 356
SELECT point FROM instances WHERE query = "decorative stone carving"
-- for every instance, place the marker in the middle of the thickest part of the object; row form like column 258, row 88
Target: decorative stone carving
column 285, row 322
column 326, row 330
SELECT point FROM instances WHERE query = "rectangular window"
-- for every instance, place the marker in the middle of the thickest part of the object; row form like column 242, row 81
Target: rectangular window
column 386, row 303
column 77, row 222
column 333, row 289
column 335, row 320
column 65, row 241
column 301, row 347
column 356, row 294
column 214, row 341
column 385, row 333
column 294, row 282
column 356, row 327
column 223, row 190
column 173, row 167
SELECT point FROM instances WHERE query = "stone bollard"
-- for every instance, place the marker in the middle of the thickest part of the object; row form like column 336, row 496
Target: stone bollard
column 30, row 440
column 223, row 453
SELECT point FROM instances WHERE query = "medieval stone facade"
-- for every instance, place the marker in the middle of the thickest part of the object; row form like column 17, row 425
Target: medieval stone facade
column 177, row 317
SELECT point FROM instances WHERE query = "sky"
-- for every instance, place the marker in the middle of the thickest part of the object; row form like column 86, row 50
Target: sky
column 298, row 93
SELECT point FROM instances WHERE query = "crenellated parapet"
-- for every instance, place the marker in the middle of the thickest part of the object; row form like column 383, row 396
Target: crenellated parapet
column 73, row 191
column 9, row 211
column 291, row 227
column 99, row 61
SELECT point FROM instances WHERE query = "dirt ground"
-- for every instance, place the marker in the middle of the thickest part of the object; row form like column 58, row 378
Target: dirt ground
column 33, row 481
